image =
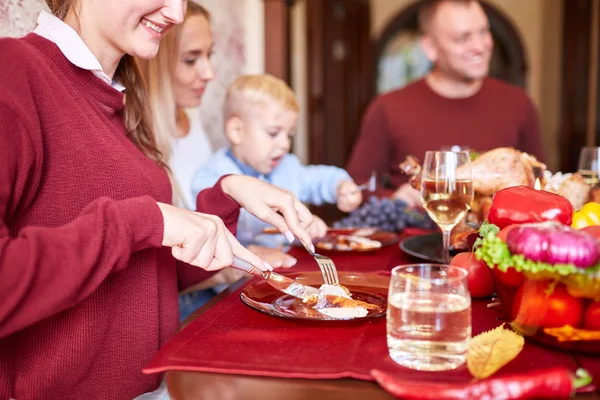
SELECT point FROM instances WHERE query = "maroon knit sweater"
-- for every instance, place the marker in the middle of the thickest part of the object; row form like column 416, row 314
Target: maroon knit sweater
column 415, row 119
column 87, row 293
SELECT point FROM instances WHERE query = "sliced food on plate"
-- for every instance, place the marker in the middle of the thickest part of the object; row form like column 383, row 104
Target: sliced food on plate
column 336, row 301
column 348, row 243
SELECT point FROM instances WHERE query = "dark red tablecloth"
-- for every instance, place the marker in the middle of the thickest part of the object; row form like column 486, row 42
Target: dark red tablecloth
column 233, row 338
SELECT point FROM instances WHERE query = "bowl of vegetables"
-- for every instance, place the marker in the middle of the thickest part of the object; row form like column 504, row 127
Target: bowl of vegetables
column 546, row 273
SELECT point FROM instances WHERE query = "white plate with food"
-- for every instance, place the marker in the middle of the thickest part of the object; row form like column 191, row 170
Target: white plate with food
column 366, row 290
column 344, row 239
column 356, row 239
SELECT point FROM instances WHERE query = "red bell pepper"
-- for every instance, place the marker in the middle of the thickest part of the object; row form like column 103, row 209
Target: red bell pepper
column 522, row 204
column 552, row 383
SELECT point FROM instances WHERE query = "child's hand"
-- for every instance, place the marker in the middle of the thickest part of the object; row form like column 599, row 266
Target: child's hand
column 276, row 258
column 349, row 196
column 317, row 229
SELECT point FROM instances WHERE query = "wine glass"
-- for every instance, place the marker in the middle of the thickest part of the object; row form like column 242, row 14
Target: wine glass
column 447, row 190
column 588, row 164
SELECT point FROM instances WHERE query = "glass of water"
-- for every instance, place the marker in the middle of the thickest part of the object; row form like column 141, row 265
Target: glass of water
column 428, row 316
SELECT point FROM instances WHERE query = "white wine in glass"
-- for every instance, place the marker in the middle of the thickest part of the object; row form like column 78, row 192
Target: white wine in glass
column 447, row 207
column 447, row 190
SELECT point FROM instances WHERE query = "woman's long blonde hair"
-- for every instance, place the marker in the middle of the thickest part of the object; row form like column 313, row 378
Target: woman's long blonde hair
column 136, row 113
column 157, row 74
column 158, row 77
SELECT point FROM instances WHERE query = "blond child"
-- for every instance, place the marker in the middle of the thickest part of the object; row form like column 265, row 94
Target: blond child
column 261, row 114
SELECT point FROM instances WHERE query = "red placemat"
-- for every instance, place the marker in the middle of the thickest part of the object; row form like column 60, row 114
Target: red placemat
column 232, row 338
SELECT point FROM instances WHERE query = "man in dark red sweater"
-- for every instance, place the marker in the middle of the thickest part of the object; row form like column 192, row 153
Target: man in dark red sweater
column 455, row 104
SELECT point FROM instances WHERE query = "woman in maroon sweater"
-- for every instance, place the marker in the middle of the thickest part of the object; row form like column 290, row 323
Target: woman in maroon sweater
column 88, row 241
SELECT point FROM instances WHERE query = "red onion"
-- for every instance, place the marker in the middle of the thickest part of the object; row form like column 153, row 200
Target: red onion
column 554, row 244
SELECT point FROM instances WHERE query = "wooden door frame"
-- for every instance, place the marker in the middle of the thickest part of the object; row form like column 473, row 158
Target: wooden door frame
column 331, row 139
column 277, row 38
column 315, row 80
column 580, row 109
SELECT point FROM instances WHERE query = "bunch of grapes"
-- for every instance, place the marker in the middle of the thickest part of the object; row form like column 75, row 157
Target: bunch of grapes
column 385, row 214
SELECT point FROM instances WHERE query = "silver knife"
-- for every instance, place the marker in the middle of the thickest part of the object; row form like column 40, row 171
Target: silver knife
column 279, row 282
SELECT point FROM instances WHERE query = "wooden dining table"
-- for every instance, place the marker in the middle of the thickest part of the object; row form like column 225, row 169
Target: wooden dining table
column 220, row 386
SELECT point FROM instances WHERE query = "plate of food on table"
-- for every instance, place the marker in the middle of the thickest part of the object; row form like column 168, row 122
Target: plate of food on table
column 378, row 220
column 358, row 297
column 374, row 225
column 533, row 238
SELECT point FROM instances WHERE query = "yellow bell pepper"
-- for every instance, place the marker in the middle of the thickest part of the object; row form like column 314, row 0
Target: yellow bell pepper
column 589, row 215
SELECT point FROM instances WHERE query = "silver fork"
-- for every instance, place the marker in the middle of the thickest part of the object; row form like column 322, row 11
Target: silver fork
column 371, row 184
column 330, row 275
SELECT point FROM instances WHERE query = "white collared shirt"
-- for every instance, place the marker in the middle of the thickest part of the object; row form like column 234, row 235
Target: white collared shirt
column 72, row 46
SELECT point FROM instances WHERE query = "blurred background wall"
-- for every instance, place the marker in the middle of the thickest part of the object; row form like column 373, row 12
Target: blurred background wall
column 332, row 52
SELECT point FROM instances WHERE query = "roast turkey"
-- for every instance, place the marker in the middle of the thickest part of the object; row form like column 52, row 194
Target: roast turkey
column 491, row 171
column 504, row 167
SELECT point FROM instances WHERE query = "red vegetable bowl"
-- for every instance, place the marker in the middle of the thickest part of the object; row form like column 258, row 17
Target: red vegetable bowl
column 559, row 311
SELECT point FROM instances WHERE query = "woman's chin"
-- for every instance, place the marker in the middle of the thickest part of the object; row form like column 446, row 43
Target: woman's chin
column 145, row 51
column 189, row 102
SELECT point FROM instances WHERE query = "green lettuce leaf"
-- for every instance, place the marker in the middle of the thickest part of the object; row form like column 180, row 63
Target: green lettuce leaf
column 579, row 282
column 495, row 253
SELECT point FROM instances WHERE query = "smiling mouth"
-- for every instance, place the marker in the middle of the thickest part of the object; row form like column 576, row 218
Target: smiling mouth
column 154, row 27
column 476, row 59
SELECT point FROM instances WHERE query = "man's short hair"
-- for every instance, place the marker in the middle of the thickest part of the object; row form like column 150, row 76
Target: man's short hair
column 429, row 7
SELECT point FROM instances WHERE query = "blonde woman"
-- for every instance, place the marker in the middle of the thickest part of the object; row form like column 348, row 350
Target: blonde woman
column 176, row 80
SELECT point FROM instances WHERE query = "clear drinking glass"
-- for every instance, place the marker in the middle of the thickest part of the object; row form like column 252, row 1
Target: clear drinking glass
column 588, row 164
column 428, row 316
column 446, row 190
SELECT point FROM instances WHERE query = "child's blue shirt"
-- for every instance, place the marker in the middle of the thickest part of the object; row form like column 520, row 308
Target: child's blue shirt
column 312, row 184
